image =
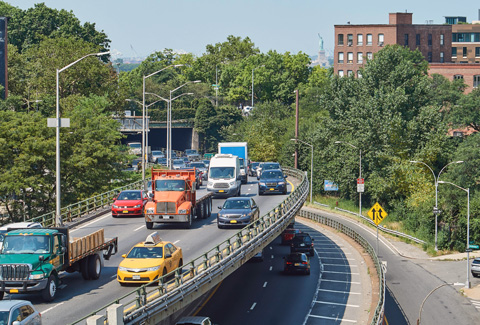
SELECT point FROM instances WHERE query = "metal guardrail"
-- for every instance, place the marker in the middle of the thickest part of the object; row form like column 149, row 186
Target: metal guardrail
column 379, row 311
column 76, row 210
column 155, row 301
column 389, row 231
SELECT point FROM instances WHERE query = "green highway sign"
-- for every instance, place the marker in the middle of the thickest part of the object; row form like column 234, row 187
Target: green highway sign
column 474, row 246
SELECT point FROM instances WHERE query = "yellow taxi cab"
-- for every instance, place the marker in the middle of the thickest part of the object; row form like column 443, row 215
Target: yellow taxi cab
column 149, row 260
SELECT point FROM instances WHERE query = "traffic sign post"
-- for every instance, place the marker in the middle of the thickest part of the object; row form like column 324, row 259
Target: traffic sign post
column 377, row 214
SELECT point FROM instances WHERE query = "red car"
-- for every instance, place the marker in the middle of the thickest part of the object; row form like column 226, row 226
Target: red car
column 288, row 234
column 129, row 203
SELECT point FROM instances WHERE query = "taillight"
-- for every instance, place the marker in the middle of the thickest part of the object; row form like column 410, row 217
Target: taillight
column 304, row 263
column 289, row 263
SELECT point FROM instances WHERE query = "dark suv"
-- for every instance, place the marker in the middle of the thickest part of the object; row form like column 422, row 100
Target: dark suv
column 302, row 243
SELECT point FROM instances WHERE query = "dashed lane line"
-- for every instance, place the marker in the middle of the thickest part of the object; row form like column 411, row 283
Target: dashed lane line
column 351, row 282
column 333, row 318
column 336, row 291
column 47, row 310
column 139, row 228
column 90, row 223
column 265, row 284
column 335, row 303
column 253, row 306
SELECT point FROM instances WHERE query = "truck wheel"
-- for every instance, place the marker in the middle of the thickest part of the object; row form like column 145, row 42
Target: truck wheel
column 84, row 269
column 149, row 225
column 210, row 206
column 48, row 294
column 94, row 266
column 188, row 224
column 203, row 210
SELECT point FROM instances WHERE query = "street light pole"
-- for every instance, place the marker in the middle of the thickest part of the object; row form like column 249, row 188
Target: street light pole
column 311, row 166
column 360, row 174
column 467, row 283
column 58, row 212
column 435, row 179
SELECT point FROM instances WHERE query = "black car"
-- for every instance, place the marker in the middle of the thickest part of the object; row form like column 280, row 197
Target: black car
column 252, row 168
column 296, row 263
column 237, row 211
column 302, row 243
column 272, row 181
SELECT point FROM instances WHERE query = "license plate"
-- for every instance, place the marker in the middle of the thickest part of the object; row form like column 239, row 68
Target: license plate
column 297, row 264
column 302, row 245
column 13, row 290
column 125, row 211
column 233, row 221
column 136, row 277
column 272, row 189
column 221, row 191
column 166, row 217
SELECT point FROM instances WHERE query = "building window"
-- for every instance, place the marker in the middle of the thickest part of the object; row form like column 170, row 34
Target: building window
column 349, row 73
column 369, row 39
column 340, row 39
column 369, row 55
column 429, row 56
column 442, row 40
column 477, row 52
column 442, row 60
column 458, row 76
column 340, row 73
column 429, row 39
column 359, row 74
column 340, row 57
column 454, row 52
column 360, row 39
column 417, row 39
column 359, row 57
column 350, row 57
column 380, row 39
column 476, row 81
column 405, row 43
column 349, row 39
column 464, row 51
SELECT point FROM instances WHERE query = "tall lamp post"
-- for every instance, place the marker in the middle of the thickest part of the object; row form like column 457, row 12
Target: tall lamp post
column 58, row 213
column 359, row 173
column 467, row 283
column 169, row 122
column 311, row 166
column 435, row 179
column 252, row 79
column 143, row 119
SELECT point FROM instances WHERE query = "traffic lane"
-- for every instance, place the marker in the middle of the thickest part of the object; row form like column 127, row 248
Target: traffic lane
column 71, row 301
column 259, row 292
column 410, row 282
column 393, row 311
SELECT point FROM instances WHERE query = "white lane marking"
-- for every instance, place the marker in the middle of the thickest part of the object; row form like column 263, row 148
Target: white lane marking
column 346, row 292
column 175, row 242
column 341, row 265
column 335, row 303
column 88, row 224
column 271, row 247
column 335, row 272
column 271, row 268
column 139, row 228
column 272, row 256
column 62, row 286
column 253, row 306
column 332, row 318
column 265, row 284
column 47, row 310
column 114, row 276
column 351, row 282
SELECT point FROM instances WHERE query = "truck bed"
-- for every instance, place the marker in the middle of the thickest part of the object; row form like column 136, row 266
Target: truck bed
column 83, row 246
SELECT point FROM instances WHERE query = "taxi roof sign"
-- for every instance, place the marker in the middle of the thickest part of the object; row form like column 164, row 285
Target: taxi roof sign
column 153, row 239
column 377, row 213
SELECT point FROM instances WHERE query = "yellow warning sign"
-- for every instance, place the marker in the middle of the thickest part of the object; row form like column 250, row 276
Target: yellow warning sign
column 377, row 213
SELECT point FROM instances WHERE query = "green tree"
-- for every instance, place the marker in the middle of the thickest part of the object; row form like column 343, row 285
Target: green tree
column 467, row 112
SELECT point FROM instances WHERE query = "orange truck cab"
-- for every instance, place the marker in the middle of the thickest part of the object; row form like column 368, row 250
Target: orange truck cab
column 175, row 199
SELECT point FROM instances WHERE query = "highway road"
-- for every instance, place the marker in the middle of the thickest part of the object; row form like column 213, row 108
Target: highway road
column 77, row 297
column 337, row 290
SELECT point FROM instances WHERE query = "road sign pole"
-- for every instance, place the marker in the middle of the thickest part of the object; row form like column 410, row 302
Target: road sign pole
column 377, row 240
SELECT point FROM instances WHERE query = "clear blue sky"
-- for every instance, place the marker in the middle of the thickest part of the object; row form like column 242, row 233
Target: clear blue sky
column 141, row 27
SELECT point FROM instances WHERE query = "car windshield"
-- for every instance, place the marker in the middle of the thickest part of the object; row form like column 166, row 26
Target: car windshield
column 146, row 252
column 26, row 244
column 242, row 164
column 254, row 165
column 295, row 258
column 302, row 239
column 476, row 262
column 170, row 185
column 4, row 317
column 124, row 196
column 190, row 151
column 135, row 145
column 270, row 166
column 222, row 172
column 178, row 162
column 157, row 153
column 272, row 175
column 236, row 204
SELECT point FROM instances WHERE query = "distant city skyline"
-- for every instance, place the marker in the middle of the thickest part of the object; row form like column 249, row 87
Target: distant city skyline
column 138, row 29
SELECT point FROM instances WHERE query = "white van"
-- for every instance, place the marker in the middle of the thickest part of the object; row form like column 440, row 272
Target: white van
column 224, row 176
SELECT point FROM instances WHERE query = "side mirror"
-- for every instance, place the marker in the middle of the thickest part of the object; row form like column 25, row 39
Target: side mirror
column 16, row 323
column 41, row 258
column 219, row 207
column 194, row 186
column 168, row 256
column 313, row 239
column 285, row 176
column 124, row 255
column 114, row 199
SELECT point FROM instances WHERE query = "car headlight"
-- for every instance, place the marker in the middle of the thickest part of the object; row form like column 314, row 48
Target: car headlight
column 231, row 183
column 154, row 268
column 261, row 184
column 242, row 172
column 121, row 268
column 151, row 210
column 38, row 276
column 182, row 211
column 114, row 206
column 137, row 206
column 210, row 184
column 247, row 214
column 281, row 183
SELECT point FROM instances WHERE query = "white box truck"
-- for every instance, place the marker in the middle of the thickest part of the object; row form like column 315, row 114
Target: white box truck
column 240, row 150
column 224, row 176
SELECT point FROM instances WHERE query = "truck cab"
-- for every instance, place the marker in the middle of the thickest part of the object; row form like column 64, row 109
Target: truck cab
column 224, row 179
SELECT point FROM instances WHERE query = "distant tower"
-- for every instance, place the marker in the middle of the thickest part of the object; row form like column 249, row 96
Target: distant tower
column 3, row 57
column 322, row 59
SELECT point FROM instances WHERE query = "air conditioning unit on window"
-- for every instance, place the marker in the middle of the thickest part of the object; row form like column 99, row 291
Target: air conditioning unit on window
column 349, row 43
column 380, row 43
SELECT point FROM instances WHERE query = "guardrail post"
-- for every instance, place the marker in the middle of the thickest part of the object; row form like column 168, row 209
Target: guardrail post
column 115, row 314
column 96, row 320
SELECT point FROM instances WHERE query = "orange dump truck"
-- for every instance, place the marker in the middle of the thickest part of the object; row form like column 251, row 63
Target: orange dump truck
column 175, row 199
